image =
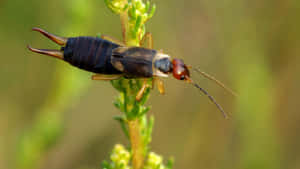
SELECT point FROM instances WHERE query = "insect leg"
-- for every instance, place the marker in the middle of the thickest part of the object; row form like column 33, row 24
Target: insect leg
column 105, row 77
column 140, row 93
column 124, row 20
column 51, row 52
column 59, row 40
column 112, row 39
column 147, row 37
column 160, row 85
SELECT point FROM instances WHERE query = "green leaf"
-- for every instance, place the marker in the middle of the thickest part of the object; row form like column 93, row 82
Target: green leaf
column 105, row 165
column 151, row 13
column 145, row 96
column 132, row 12
column 143, row 111
column 123, row 124
column 147, row 7
column 117, row 84
column 170, row 163
column 138, row 24
column 149, row 130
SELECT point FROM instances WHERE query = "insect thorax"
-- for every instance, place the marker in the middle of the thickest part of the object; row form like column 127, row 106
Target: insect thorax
column 162, row 65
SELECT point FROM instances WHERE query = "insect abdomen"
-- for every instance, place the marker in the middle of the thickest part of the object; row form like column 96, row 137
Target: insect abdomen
column 91, row 54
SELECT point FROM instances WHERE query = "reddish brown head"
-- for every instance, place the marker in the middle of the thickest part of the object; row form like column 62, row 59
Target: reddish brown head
column 180, row 70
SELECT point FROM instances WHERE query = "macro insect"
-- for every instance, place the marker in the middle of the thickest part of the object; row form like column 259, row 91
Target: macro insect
column 111, row 59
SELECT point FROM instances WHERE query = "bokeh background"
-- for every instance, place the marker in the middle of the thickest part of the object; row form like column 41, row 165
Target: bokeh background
column 250, row 45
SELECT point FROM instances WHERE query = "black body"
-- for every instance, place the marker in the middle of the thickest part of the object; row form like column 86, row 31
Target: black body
column 91, row 54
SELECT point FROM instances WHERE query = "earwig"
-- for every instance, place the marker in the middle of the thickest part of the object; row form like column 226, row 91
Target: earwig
column 111, row 59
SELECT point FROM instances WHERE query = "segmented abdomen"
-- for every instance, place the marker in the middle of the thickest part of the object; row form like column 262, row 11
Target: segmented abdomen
column 91, row 54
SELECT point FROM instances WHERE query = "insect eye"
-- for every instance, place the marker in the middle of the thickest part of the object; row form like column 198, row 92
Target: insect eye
column 182, row 77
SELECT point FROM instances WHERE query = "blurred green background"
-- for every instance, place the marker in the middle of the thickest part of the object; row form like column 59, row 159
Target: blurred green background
column 54, row 117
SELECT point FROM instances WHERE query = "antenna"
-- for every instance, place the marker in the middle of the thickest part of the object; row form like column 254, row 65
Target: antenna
column 212, row 99
column 189, row 80
column 216, row 81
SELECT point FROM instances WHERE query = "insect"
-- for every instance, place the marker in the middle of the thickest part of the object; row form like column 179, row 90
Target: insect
column 111, row 59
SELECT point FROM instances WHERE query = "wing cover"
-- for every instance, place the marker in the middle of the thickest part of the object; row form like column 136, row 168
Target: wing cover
column 134, row 62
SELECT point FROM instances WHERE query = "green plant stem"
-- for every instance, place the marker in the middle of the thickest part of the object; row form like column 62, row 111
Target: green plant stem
column 136, row 144
column 133, row 124
column 124, row 24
